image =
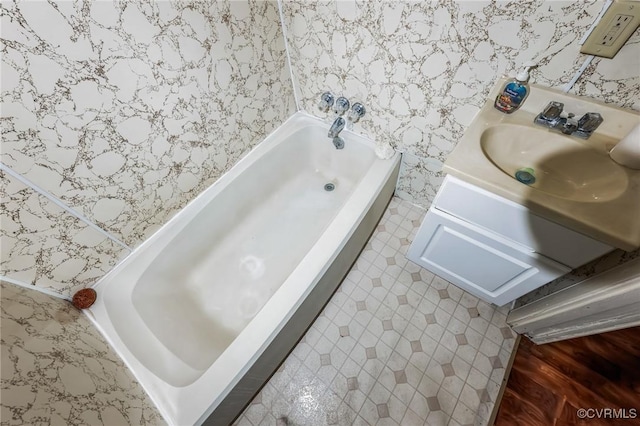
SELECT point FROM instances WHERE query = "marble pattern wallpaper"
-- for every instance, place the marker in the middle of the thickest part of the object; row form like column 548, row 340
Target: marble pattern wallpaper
column 424, row 69
column 45, row 246
column 58, row 370
column 126, row 110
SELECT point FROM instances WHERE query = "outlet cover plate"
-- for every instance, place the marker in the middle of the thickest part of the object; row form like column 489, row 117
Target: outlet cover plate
column 614, row 29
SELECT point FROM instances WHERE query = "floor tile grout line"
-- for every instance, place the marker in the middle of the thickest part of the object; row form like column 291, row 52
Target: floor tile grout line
column 362, row 367
column 414, row 310
column 355, row 292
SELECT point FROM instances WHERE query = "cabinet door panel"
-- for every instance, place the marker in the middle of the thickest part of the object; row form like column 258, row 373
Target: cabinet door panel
column 479, row 261
column 472, row 261
column 516, row 222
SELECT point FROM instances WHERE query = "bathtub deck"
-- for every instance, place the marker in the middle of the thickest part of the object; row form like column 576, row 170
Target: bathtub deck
column 394, row 346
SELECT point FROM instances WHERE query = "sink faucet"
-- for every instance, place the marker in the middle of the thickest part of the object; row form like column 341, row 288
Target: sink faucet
column 554, row 118
column 334, row 131
column 569, row 125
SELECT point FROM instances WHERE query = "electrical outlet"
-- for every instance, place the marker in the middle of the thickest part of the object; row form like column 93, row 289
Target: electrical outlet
column 614, row 29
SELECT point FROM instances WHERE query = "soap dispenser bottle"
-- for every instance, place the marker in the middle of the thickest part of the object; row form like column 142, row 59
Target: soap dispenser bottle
column 515, row 91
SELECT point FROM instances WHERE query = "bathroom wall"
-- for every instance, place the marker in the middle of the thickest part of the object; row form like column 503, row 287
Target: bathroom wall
column 122, row 112
column 44, row 244
column 50, row 378
column 424, row 69
column 126, row 111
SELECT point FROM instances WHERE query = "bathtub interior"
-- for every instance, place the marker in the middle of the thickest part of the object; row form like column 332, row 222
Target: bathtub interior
column 208, row 283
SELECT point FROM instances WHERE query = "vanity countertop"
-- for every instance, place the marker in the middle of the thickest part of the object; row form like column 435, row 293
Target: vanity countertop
column 614, row 219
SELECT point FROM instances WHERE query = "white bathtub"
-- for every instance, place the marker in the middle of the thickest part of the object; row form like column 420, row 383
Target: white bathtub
column 204, row 311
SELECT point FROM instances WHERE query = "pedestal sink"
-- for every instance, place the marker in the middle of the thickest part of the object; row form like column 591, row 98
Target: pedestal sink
column 563, row 166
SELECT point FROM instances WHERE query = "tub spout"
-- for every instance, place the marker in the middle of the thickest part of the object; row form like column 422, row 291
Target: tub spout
column 335, row 130
column 336, row 127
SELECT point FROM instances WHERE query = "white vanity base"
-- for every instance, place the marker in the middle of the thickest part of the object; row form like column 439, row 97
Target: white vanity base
column 494, row 248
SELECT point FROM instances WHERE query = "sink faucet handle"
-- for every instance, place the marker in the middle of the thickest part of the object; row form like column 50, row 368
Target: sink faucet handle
column 552, row 111
column 341, row 105
column 326, row 101
column 589, row 122
column 551, row 115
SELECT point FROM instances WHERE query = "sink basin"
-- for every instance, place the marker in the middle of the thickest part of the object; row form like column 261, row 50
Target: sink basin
column 563, row 166
column 576, row 184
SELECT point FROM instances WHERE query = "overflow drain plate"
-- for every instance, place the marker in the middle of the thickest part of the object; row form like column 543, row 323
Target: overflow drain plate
column 329, row 187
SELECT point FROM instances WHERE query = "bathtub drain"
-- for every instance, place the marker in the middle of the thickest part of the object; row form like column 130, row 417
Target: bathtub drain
column 329, row 187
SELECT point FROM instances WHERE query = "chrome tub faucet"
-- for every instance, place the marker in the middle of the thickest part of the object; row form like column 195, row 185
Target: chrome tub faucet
column 340, row 106
column 334, row 132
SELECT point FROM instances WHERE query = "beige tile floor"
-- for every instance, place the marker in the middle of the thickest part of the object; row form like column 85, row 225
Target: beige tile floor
column 396, row 345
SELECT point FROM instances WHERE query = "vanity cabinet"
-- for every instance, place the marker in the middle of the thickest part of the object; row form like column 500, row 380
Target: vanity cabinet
column 494, row 248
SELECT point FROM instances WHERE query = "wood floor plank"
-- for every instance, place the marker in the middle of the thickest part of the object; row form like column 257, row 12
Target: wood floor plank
column 591, row 359
column 546, row 401
column 615, row 368
column 627, row 340
column 568, row 416
column 549, row 383
column 516, row 411
column 547, row 375
column 604, row 348
column 566, row 364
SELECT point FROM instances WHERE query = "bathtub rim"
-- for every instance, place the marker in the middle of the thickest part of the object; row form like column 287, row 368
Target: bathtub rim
column 156, row 387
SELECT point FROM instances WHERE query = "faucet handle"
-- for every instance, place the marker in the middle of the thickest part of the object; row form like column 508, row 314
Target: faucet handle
column 588, row 124
column 550, row 115
column 590, row 121
column 341, row 105
column 356, row 112
column 552, row 111
column 326, row 101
